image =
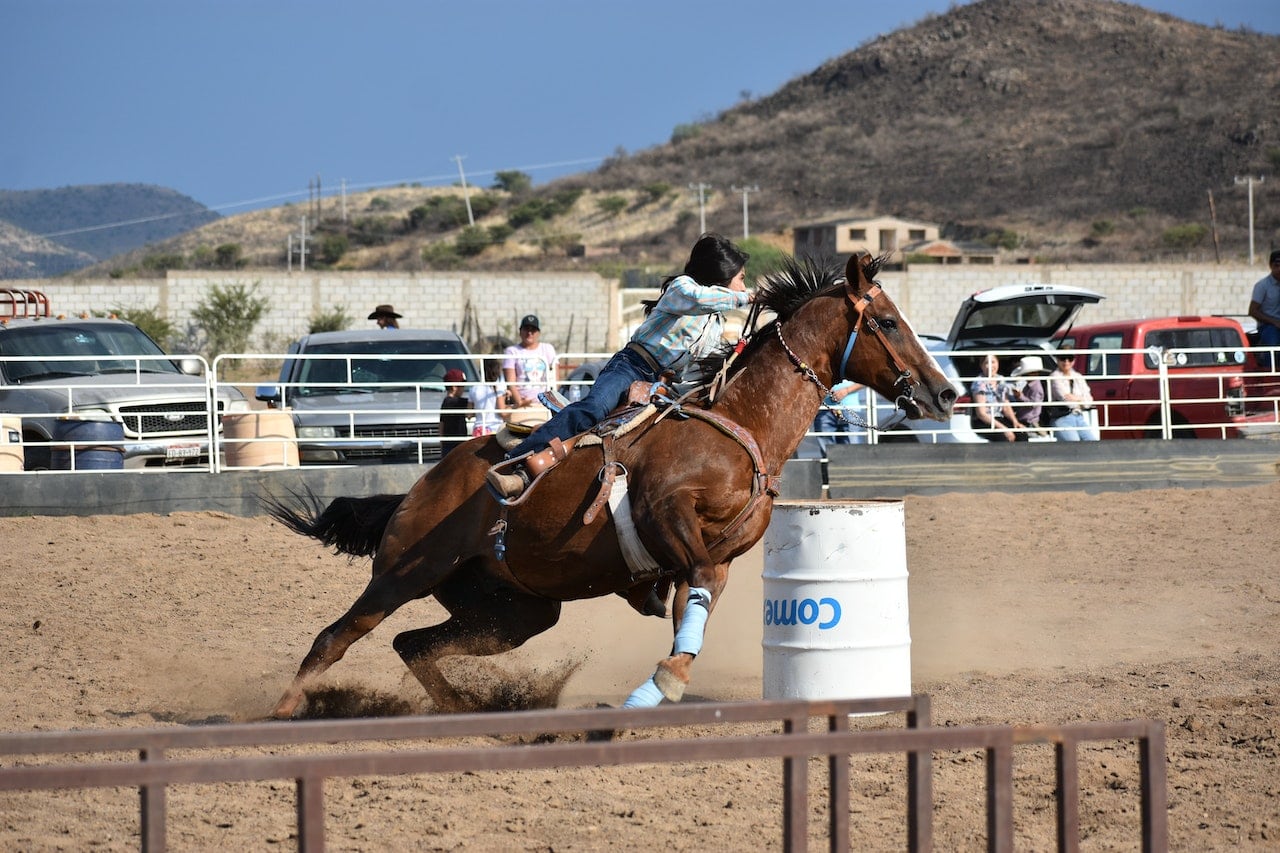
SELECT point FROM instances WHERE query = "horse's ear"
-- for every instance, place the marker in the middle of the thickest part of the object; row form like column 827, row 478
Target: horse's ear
column 855, row 272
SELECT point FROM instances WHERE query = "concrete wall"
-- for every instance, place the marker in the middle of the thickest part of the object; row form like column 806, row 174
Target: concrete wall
column 580, row 311
column 856, row 472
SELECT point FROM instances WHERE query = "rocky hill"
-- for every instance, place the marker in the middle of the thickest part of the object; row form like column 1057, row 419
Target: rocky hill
column 80, row 225
column 1064, row 130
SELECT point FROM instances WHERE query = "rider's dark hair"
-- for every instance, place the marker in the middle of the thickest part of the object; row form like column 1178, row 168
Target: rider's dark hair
column 713, row 260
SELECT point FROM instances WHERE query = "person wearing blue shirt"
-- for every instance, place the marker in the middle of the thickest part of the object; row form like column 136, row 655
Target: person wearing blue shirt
column 684, row 324
column 1264, row 306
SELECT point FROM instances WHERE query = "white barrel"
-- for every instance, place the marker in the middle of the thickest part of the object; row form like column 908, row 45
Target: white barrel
column 12, row 458
column 836, row 624
column 261, row 439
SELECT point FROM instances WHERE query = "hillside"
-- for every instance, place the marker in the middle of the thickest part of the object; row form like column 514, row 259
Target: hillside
column 82, row 224
column 1068, row 130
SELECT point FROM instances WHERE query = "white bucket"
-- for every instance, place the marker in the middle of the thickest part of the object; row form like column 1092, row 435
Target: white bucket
column 836, row 624
column 262, row 439
column 12, row 457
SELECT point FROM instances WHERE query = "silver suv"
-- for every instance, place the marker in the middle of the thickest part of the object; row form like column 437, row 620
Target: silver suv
column 103, row 369
column 368, row 397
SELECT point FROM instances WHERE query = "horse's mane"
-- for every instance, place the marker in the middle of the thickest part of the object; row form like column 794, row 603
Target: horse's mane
column 782, row 291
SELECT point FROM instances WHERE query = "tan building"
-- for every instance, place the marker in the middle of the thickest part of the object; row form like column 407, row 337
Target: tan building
column 843, row 237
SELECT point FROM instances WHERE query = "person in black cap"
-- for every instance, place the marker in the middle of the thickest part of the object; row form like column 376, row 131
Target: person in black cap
column 386, row 317
column 529, row 369
column 1264, row 306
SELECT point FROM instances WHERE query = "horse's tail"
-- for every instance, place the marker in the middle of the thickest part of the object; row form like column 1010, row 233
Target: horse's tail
column 348, row 525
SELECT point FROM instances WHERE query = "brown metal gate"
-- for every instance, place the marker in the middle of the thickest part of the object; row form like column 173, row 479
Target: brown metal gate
column 806, row 729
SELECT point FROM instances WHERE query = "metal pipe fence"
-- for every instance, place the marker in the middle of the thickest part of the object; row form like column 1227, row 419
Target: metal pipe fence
column 805, row 729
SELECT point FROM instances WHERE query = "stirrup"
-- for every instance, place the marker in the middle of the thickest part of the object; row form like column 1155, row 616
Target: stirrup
column 507, row 486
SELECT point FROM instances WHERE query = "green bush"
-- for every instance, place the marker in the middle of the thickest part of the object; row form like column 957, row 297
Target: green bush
column 227, row 317
column 611, row 205
column 1183, row 237
column 331, row 248
column 514, row 182
column 440, row 256
column 149, row 320
column 499, row 233
column 229, row 256
column 655, row 191
column 334, row 319
column 763, row 256
column 685, row 131
column 1102, row 227
column 164, row 261
column 472, row 241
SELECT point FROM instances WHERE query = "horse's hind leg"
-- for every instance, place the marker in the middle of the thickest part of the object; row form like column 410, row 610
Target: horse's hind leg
column 485, row 619
column 382, row 597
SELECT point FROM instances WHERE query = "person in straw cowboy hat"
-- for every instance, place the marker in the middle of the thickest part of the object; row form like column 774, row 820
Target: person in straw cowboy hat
column 1027, row 391
column 386, row 317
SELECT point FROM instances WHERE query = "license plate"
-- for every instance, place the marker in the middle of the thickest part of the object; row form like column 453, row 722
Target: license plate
column 181, row 451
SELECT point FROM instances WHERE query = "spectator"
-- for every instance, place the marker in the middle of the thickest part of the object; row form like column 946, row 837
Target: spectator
column 386, row 317
column 685, row 323
column 1069, row 402
column 992, row 416
column 1264, row 306
column 453, row 411
column 1028, row 391
column 489, row 400
column 529, row 369
column 842, row 418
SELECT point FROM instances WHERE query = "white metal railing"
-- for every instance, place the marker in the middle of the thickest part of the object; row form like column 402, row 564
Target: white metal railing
column 148, row 418
column 1163, row 382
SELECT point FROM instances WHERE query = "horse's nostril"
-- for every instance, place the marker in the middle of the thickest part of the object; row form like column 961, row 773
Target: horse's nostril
column 948, row 396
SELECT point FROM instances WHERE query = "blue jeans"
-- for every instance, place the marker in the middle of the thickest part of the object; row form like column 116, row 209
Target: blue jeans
column 606, row 394
column 1268, row 336
column 1074, row 427
column 845, row 432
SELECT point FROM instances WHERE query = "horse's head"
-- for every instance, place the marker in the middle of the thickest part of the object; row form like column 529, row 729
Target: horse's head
column 883, row 351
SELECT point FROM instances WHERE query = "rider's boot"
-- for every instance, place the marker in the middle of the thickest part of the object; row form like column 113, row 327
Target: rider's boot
column 512, row 482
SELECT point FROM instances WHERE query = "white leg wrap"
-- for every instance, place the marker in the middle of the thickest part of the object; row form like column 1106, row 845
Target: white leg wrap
column 694, row 622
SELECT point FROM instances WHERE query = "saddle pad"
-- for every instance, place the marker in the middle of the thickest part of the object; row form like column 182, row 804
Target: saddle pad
column 637, row 557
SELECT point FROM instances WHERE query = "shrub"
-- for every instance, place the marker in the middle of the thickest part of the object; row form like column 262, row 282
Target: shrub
column 472, row 241
column 1102, row 228
column 611, row 205
column 763, row 256
column 514, row 182
column 149, row 320
column 1183, row 237
column 499, row 233
column 685, row 131
column 331, row 248
column 334, row 319
column 440, row 256
column 229, row 256
column 227, row 317
column 164, row 261
column 655, row 191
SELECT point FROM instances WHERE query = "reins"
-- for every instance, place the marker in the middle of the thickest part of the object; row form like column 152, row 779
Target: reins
column 906, row 387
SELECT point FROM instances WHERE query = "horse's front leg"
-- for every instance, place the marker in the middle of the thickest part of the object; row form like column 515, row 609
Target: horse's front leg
column 693, row 605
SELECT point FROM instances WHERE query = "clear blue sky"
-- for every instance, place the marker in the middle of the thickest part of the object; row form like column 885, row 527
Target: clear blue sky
column 240, row 103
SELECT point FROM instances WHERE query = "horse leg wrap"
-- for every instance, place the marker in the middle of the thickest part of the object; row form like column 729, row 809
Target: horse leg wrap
column 647, row 695
column 694, row 622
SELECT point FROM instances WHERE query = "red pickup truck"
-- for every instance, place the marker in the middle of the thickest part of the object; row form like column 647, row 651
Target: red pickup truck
column 1211, row 379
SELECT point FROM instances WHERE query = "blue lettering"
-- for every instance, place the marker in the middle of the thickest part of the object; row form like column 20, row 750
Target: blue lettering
column 805, row 612
column 835, row 614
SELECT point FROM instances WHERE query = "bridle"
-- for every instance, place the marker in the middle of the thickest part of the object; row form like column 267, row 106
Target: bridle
column 905, row 385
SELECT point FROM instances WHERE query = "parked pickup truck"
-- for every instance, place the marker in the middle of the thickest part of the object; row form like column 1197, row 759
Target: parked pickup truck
column 1207, row 368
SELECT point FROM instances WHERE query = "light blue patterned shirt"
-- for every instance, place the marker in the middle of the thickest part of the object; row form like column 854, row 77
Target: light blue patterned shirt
column 687, row 322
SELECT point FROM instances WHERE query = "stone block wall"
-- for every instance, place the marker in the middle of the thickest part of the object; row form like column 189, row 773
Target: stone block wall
column 582, row 312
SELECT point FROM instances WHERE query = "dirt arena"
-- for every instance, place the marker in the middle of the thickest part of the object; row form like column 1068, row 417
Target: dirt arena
column 1032, row 608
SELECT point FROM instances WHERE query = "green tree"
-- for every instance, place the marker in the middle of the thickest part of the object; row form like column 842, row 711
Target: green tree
column 472, row 241
column 513, row 181
column 762, row 256
column 229, row 256
column 227, row 317
column 331, row 248
column 499, row 233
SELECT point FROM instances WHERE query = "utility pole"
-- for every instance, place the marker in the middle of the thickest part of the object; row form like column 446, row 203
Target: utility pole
column 1249, row 180
column 344, row 201
column 746, row 229
column 471, row 220
column 302, row 246
column 702, row 205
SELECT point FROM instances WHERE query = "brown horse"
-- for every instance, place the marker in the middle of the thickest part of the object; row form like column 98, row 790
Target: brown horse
column 700, row 491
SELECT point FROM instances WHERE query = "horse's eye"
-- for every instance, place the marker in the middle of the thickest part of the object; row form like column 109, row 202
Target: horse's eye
column 889, row 324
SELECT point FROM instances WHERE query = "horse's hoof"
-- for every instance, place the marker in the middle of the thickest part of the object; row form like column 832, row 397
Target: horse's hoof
column 669, row 683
